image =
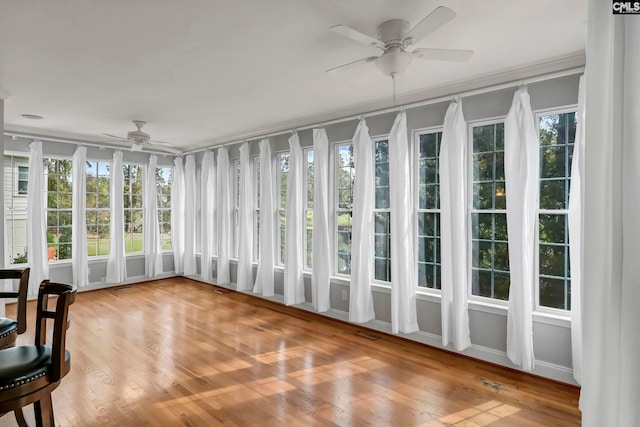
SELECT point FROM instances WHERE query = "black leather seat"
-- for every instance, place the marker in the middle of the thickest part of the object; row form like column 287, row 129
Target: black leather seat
column 28, row 374
column 9, row 328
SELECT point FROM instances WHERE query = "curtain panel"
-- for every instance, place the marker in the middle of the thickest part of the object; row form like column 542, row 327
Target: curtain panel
column 453, row 220
column 610, row 290
column 521, row 153
column 264, row 284
column 404, row 266
column 178, row 191
column 207, row 224
column 190, row 216
column 117, row 262
column 37, row 254
column 152, row 242
column 360, row 297
column 79, row 257
column 294, row 226
column 224, row 213
column 321, row 253
column 245, row 219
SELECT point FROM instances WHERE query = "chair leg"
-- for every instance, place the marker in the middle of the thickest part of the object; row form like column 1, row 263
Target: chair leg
column 44, row 412
column 20, row 418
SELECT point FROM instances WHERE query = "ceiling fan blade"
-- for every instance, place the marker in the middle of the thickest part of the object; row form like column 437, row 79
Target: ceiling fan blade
column 436, row 19
column 116, row 137
column 452, row 55
column 352, row 64
column 355, row 35
column 164, row 148
column 153, row 141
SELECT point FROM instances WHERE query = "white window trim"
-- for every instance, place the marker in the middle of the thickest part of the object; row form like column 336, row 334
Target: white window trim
column 170, row 250
column 307, row 209
column 46, row 190
column 334, row 195
column 470, row 210
column 144, row 172
column 86, row 209
column 416, row 188
column 375, row 281
column 540, row 309
column 279, row 262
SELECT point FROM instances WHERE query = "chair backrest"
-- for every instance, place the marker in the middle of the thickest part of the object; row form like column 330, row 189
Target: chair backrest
column 21, row 294
column 66, row 296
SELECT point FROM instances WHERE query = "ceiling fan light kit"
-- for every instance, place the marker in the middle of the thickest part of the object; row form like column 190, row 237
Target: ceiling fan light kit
column 139, row 140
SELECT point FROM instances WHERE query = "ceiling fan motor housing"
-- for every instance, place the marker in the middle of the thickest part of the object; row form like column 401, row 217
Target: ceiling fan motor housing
column 391, row 32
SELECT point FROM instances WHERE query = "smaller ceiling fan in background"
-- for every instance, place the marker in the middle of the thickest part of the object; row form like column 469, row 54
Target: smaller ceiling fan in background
column 395, row 37
column 140, row 139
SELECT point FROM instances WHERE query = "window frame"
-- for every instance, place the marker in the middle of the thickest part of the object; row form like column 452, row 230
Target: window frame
column 98, row 163
column 280, row 245
column 470, row 211
column 165, row 209
column 537, row 306
column 47, row 209
column 256, row 208
column 10, row 209
column 308, row 210
column 334, row 194
column 144, row 169
column 236, row 205
column 18, row 193
column 374, row 280
column 417, row 133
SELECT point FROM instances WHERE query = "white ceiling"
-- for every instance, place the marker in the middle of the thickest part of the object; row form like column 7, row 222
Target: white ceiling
column 204, row 72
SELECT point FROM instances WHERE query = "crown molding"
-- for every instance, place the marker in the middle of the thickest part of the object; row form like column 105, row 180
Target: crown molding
column 574, row 61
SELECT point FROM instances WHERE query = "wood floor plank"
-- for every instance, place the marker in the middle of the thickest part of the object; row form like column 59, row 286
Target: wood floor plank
column 174, row 352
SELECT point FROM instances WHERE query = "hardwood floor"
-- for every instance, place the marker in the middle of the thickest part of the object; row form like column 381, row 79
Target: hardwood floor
column 175, row 352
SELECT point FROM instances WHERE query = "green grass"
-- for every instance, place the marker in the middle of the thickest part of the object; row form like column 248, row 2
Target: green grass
column 131, row 245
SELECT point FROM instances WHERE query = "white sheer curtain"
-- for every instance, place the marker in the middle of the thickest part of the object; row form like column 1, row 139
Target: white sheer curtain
column 404, row 267
column 207, row 224
column 37, row 254
column 294, row 227
column 245, row 244
column 453, row 237
column 521, row 154
column 575, row 238
column 190, row 216
column 178, row 215
column 360, row 297
column 321, row 253
column 79, row 258
column 265, row 278
column 152, row 242
column 117, row 262
column 224, row 216
column 611, row 242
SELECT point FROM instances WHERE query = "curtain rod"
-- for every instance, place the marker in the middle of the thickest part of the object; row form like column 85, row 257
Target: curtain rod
column 85, row 143
column 449, row 97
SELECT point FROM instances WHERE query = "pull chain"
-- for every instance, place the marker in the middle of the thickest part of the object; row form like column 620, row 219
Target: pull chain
column 393, row 78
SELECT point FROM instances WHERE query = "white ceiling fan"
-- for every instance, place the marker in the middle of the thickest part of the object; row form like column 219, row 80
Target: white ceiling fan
column 396, row 36
column 140, row 139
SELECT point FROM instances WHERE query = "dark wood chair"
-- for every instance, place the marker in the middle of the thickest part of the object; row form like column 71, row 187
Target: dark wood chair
column 9, row 328
column 28, row 374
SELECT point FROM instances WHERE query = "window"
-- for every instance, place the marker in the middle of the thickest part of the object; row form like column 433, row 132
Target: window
column 59, row 192
column 345, row 179
column 164, row 178
column 132, row 208
column 236, row 206
column 489, row 247
column 23, row 180
column 16, row 181
column 98, row 212
column 429, row 210
column 382, row 232
column 308, row 209
column 256, row 209
column 283, row 173
column 557, row 136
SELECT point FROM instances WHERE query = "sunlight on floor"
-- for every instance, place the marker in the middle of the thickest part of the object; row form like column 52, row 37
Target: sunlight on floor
column 480, row 415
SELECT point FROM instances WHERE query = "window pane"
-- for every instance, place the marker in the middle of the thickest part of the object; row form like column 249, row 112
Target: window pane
column 557, row 137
